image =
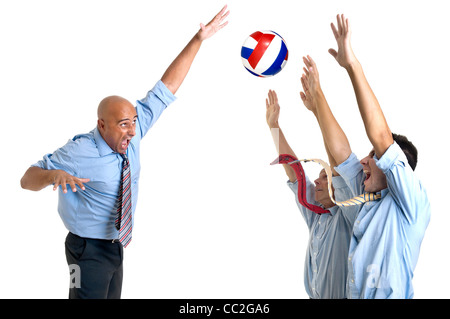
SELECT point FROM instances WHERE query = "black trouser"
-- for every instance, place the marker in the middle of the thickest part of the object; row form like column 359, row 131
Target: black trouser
column 96, row 269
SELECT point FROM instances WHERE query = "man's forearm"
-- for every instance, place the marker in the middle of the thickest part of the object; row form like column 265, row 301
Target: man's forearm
column 335, row 140
column 179, row 68
column 375, row 123
column 36, row 178
column 283, row 147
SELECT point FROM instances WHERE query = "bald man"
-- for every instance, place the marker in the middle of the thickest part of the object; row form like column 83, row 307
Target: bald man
column 87, row 171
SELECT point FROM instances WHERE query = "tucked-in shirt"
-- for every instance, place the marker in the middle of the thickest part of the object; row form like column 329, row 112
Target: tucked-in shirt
column 91, row 213
column 325, row 271
column 387, row 233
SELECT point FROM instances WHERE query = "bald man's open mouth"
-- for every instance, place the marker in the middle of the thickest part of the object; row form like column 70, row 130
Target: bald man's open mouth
column 125, row 143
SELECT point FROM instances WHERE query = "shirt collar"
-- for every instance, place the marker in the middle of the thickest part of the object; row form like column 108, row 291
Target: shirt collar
column 333, row 210
column 103, row 148
column 384, row 192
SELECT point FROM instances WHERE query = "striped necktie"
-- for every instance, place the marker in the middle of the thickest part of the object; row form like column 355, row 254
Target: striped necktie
column 300, row 174
column 123, row 220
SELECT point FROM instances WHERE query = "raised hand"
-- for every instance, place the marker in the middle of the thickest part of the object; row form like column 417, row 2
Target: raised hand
column 272, row 109
column 214, row 25
column 311, row 76
column 179, row 68
column 344, row 56
column 281, row 144
column 306, row 95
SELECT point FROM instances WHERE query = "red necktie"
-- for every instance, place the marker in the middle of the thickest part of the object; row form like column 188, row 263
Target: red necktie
column 301, row 181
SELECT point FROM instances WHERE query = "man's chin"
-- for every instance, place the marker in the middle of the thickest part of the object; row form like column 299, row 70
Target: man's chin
column 121, row 150
column 368, row 187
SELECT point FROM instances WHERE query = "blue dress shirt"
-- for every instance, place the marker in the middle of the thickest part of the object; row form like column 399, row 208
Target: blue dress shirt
column 387, row 233
column 325, row 273
column 91, row 213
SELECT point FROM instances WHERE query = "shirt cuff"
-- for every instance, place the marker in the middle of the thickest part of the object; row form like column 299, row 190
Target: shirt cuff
column 45, row 163
column 163, row 93
column 293, row 186
column 350, row 167
column 393, row 154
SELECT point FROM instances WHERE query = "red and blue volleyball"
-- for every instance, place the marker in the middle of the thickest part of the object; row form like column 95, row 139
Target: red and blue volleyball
column 264, row 53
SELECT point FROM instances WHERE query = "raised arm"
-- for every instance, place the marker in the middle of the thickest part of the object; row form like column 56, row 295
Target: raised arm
column 178, row 69
column 281, row 144
column 375, row 123
column 335, row 140
column 308, row 101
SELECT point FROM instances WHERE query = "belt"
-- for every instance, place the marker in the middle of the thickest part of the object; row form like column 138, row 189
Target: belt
column 106, row 240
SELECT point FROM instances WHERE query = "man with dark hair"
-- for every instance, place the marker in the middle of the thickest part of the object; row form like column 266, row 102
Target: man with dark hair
column 387, row 233
column 408, row 148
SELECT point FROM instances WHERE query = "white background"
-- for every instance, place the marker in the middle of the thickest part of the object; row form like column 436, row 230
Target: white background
column 214, row 219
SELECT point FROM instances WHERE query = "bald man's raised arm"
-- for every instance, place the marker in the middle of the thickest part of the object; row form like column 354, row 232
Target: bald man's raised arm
column 178, row 69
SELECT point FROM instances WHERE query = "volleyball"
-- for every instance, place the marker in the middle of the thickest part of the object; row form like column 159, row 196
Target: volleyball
column 264, row 53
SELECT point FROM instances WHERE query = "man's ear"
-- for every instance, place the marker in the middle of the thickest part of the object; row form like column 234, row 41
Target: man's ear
column 101, row 124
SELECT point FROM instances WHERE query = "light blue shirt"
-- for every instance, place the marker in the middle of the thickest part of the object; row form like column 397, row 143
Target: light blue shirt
column 91, row 213
column 387, row 233
column 325, row 273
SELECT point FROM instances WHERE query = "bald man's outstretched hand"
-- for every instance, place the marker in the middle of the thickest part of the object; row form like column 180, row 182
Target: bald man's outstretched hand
column 36, row 178
column 214, row 25
column 177, row 71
